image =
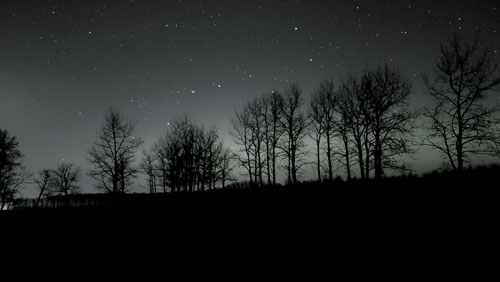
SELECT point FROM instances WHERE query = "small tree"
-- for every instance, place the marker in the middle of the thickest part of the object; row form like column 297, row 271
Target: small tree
column 148, row 166
column 225, row 166
column 65, row 178
column 112, row 154
column 43, row 183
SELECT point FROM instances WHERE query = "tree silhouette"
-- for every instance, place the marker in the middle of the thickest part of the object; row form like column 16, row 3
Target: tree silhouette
column 323, row 119
column 316, row 117
column 257, row 129
column 43, row 183
column 209, row 150
column 388, row 116
column 352, row 106
column 12, row 174
column 225, row 166
column 186, row 170
column 460, row 122
column 375, row 114
column 343, row 130
column 242, row 133
column 273, row 131
column 164, row 150
column 64, row 179
column 148, row 166
column 112, row 154
column 294, row 124
column 188, row 158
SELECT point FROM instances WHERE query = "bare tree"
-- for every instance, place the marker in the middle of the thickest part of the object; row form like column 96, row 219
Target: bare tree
column 344, row 133
column 65, row 178
column 189, row 137
column 225, row 166
column 273, row 131
column 294, row 124
column 460, row 122
column 241, row 131
column 187, row 158
column 164, row 151
column 43, row 183
column 210, row 149
column 112, row 154
column 323, row 118
column 257, row 129
column 12, row 174
column 316, row 117
column 148, row 166
column 389, row 117
column 352, row 108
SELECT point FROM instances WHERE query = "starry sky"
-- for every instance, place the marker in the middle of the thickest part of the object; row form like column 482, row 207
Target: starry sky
column 64, row 63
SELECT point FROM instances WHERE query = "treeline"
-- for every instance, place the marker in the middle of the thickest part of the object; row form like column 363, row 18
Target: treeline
column 363, row 124
column 189, row 158
column 366, row 125
column 366, row 121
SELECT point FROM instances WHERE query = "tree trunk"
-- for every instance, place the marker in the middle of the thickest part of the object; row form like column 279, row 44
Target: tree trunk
column 361, row 161
column 318, row 159
column 274, row 165
column 268, row 162
column 459, row 145
column 329, row 156
column 377, row 157
column 294, row 169
column 347, row 158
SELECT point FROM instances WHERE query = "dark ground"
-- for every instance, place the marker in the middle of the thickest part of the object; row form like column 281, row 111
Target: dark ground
column 439, row 198
column 397, row 227
column 404, row 204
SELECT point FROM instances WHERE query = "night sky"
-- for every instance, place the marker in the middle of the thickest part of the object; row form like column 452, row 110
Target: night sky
column 64, row 63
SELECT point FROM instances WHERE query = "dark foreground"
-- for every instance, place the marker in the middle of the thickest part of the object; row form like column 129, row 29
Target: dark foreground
column 406, row 224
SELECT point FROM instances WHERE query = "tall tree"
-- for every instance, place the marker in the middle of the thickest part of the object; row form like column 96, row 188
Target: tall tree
column 352, row 107
column 148, row 167
column 242, row 133
column 257, row 126
column 160, row 169
column 316, row 117
column 323, row 117
column 294, row 124
column 460, row 121
column 273, row 103
column 344, row 132
column 112, row 154
column 388, row 115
